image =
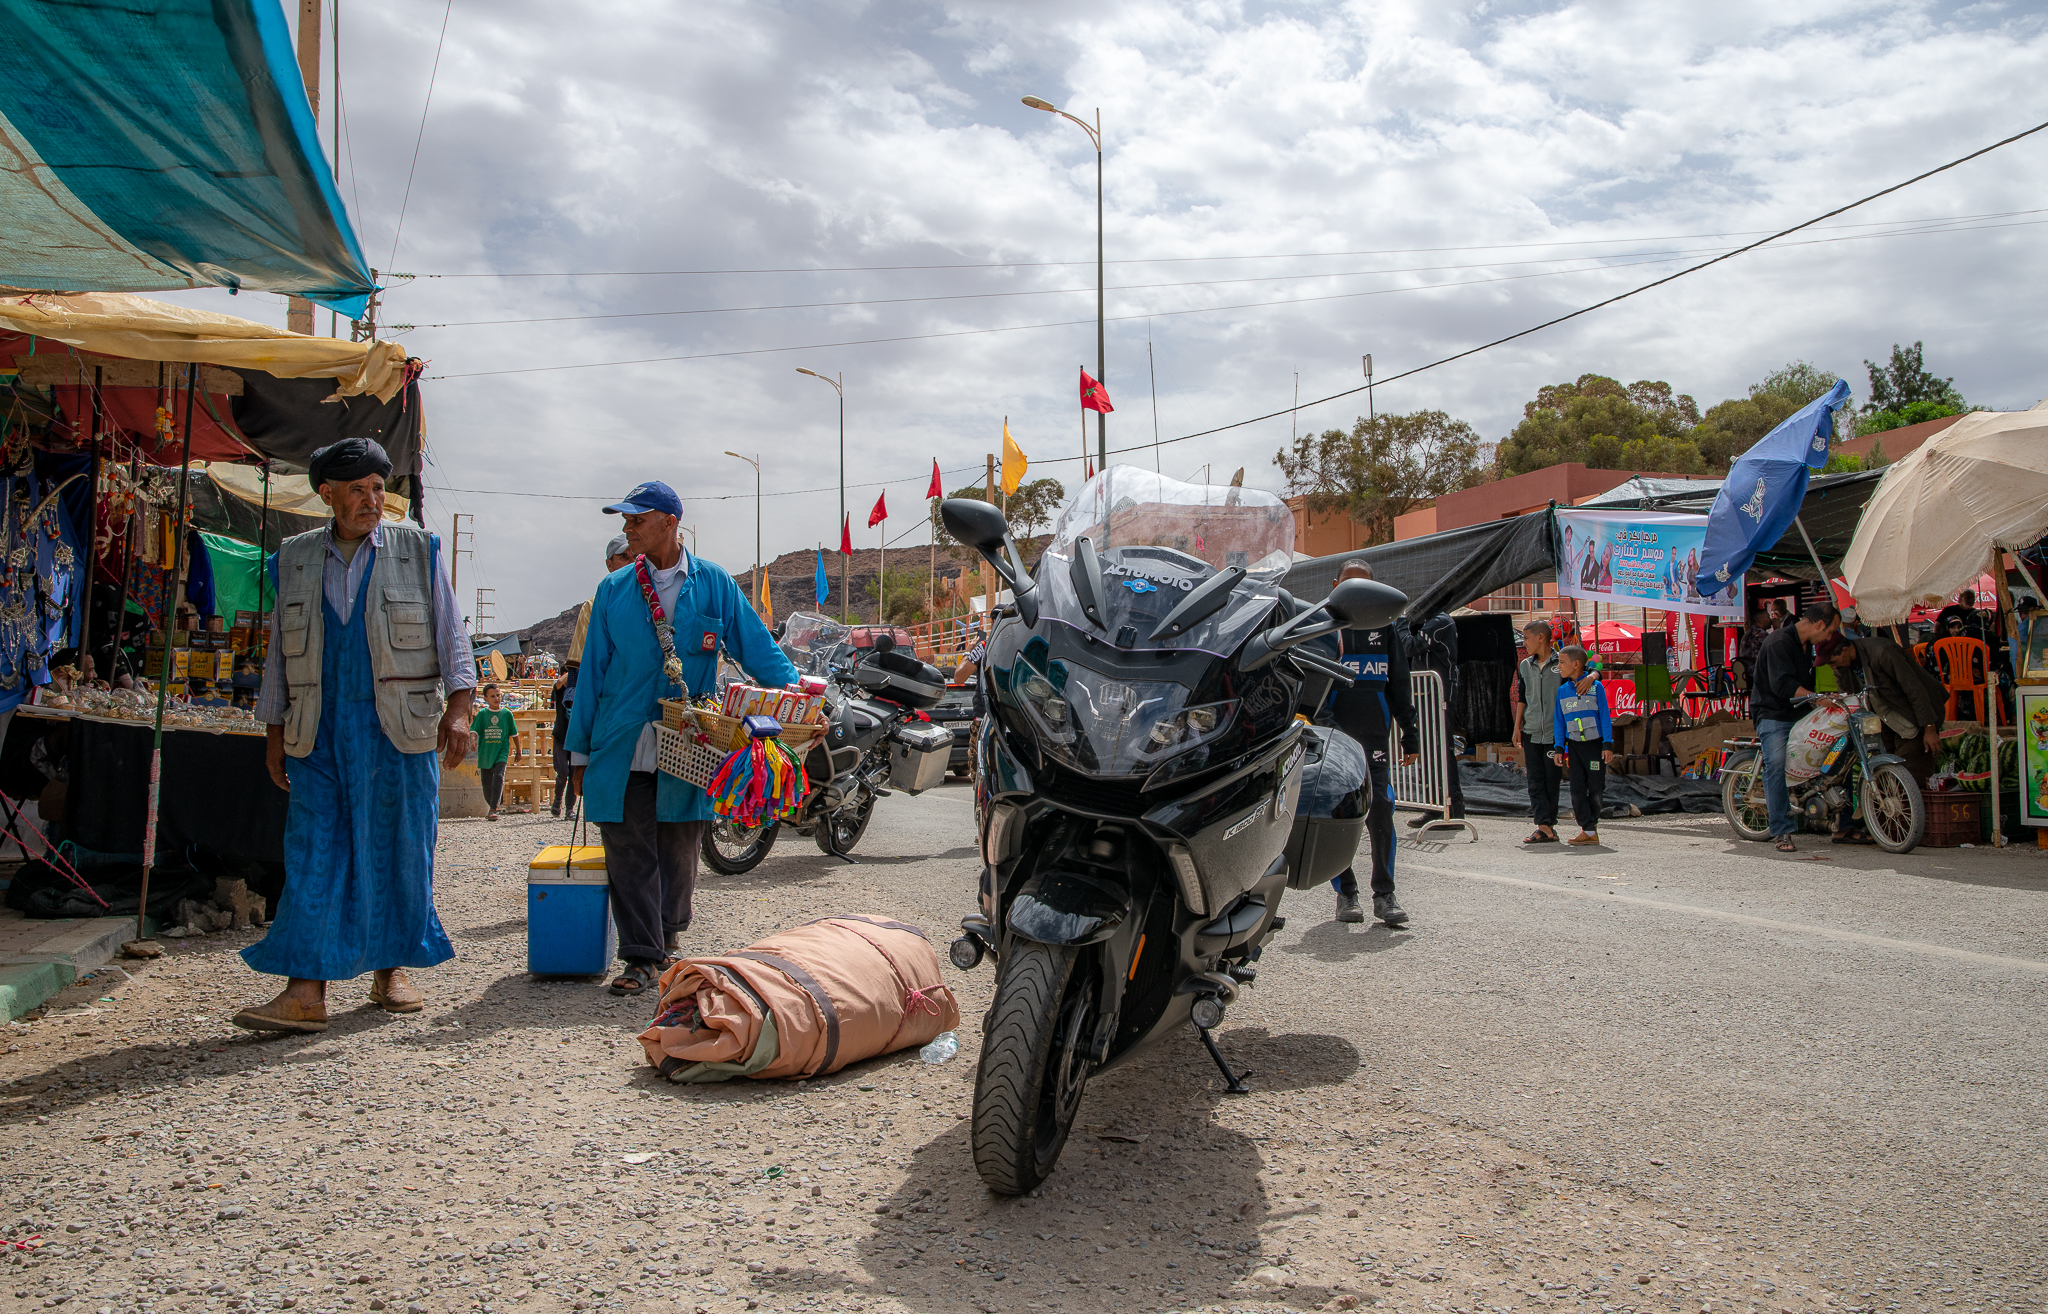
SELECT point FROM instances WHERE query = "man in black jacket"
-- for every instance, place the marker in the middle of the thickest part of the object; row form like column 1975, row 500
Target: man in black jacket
column 1784, row 674
column 1907, row 697
column 1366, row 711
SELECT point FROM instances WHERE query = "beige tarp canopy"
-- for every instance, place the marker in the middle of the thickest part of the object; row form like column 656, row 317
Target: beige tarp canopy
column 1939, row 512
column 122, row 324
column 288, row 492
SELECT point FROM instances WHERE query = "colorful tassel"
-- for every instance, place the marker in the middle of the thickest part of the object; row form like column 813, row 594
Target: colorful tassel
column 758, row 782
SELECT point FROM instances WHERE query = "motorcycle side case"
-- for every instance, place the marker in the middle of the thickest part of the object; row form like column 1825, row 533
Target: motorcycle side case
column 1320, row 848
column 917, row 756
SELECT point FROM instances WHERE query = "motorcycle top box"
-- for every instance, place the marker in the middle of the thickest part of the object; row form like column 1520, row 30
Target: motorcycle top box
column 1136, row 784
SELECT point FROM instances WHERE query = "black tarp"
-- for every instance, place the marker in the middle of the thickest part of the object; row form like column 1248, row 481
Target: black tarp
column 287, row 419
column 1442, row 572
column 1832, row 509
column 1497, row 789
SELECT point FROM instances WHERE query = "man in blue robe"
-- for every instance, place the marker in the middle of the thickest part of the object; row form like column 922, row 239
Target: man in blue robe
column 364, row 636
column 653, row 823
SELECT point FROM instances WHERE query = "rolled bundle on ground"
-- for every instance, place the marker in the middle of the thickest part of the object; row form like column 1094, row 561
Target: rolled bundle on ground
column 801, row 1002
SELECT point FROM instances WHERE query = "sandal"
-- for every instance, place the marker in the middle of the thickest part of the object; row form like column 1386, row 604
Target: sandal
column 1785, row 844
column 634, row 980
column 1541, row 837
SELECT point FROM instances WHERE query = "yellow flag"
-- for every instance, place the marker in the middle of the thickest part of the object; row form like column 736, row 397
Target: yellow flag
column 767, row 602
column 1014, row 464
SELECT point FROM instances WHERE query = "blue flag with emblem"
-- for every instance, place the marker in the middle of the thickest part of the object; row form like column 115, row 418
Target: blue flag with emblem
column 823, row 581
column 1761, row 496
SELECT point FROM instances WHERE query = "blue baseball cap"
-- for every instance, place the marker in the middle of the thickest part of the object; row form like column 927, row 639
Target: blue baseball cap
column 653, row 495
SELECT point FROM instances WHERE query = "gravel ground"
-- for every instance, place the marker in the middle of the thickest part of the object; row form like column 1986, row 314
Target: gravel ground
column 1719, row 1082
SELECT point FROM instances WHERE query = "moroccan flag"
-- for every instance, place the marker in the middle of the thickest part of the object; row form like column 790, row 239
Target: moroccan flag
column 1093, row 396
column 1014, row 464
column 821, row 580
column 881, row 511
column 1089, row 466
column 935, row 490
column 846, row 536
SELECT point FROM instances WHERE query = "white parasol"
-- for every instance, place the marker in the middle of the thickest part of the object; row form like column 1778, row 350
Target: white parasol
column 1939, row 512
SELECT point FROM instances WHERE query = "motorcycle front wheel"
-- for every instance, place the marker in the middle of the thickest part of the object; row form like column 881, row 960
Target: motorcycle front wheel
column 1033, row 1069
column 733, row 849
column 1742, row 797
column 1893, row 810
column 839, row 831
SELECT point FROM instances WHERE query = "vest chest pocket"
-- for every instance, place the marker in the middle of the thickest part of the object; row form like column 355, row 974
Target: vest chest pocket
column 407, row 618
column 293, row 627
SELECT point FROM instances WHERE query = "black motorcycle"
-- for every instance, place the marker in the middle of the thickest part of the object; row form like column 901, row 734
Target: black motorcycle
column 875, row 742
column 1136, row 786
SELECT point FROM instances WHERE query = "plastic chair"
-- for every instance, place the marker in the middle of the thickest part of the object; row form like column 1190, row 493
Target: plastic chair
column 1961, row 663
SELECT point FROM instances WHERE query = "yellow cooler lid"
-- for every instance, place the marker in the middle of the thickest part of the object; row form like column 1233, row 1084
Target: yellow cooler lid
column 557, row 857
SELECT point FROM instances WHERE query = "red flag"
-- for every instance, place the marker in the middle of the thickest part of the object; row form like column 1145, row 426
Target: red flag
column 846, row 536
column 881, row 511
column 935, row 490
column 1093, row 396
column 1089, row 466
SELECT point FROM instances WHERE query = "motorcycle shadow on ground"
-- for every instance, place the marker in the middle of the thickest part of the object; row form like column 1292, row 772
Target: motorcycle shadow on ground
column 1154, row 1201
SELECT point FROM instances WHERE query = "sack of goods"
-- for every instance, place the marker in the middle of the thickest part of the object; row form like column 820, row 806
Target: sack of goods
column 802, row 1002
column 1814, row 740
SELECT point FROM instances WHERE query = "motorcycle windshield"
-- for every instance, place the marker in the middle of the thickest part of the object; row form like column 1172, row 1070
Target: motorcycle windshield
column 1105, row 723
column 1158, row 540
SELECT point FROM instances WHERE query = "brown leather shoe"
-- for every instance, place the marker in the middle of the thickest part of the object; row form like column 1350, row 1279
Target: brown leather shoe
column 283, row 1013
column 392, row 992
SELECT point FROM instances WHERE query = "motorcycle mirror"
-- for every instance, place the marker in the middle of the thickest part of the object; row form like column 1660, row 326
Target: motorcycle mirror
column 885, row 642
column 982, row 527
column 976, row 523
column 1365, row 604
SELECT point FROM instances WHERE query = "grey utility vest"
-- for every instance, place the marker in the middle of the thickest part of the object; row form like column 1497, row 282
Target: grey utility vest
column 398, row 624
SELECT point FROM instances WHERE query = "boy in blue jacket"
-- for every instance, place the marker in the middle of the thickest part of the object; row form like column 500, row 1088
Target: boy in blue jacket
column 1584, row 735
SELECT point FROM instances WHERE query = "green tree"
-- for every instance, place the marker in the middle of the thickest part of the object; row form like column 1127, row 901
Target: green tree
column 903, row 594
column 1917, row 412
column 1033, row 506
column 1905, row 380
column 1595, row 420
column 1384, row 467
column 1732, row 427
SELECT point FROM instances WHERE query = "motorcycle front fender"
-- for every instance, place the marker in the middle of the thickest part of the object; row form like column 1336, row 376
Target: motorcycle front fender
column 1068, row 908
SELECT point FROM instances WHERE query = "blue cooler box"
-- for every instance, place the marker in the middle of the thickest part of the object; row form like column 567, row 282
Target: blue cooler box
column 569, row 930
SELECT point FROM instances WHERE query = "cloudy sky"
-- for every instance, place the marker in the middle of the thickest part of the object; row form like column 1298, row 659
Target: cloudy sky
column 718, row 193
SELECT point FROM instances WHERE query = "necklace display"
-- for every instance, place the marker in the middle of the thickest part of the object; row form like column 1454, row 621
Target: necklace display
column 664, row 632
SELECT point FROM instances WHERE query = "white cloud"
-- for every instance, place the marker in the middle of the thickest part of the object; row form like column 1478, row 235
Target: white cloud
column 658, row 137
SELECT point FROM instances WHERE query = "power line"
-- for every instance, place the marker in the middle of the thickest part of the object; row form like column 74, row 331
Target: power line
column 1020, row 328
column 1635, row 256
column 431, row 78
column 1618, row 263
column 1163, row 260
column 1587, row 310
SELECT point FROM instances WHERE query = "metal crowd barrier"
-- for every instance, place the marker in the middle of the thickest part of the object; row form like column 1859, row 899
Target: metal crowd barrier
column 1425, row 785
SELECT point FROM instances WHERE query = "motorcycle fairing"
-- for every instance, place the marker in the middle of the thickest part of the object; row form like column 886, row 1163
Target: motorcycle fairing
column 1068, row 908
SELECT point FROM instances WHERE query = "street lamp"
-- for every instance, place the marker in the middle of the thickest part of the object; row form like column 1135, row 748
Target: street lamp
column 755, row 461
column 1095, row 140
column 845, row 560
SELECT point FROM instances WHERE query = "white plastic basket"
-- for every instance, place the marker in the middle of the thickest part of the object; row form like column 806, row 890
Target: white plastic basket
column 681, row 756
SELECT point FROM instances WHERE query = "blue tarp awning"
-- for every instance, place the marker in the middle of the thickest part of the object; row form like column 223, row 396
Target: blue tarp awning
column 161, row 144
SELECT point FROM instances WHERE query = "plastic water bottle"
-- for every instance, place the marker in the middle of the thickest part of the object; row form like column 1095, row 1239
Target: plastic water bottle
column 941, row 1050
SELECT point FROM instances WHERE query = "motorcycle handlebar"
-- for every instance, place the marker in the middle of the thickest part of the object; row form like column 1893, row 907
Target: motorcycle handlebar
column 1322, row 665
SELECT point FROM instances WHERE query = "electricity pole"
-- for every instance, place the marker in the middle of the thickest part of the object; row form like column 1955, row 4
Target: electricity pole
column 298, row 315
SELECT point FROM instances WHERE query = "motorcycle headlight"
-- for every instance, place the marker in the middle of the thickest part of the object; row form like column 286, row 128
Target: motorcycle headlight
column 1042, row 698
column 1188, row 727
column 1870, row 724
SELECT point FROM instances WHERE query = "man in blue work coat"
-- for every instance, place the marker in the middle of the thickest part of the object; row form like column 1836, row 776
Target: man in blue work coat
column 656, row 626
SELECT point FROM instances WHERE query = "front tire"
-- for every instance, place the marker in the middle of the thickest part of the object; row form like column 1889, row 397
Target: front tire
column 1893, row 810
column 839, row 831
column 1028, row 1086
column 733, row 850
column 1742, row 801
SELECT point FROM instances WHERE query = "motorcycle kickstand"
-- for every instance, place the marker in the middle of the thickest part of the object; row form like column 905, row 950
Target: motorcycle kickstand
column 1234, row 1081
column 832, row 844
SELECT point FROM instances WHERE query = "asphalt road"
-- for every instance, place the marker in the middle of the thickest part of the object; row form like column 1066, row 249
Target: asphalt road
column 1677, row 1073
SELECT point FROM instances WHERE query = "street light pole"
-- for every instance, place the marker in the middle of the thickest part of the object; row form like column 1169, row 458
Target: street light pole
column 1101, row 355
column 755, row 461
column 845, row 559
